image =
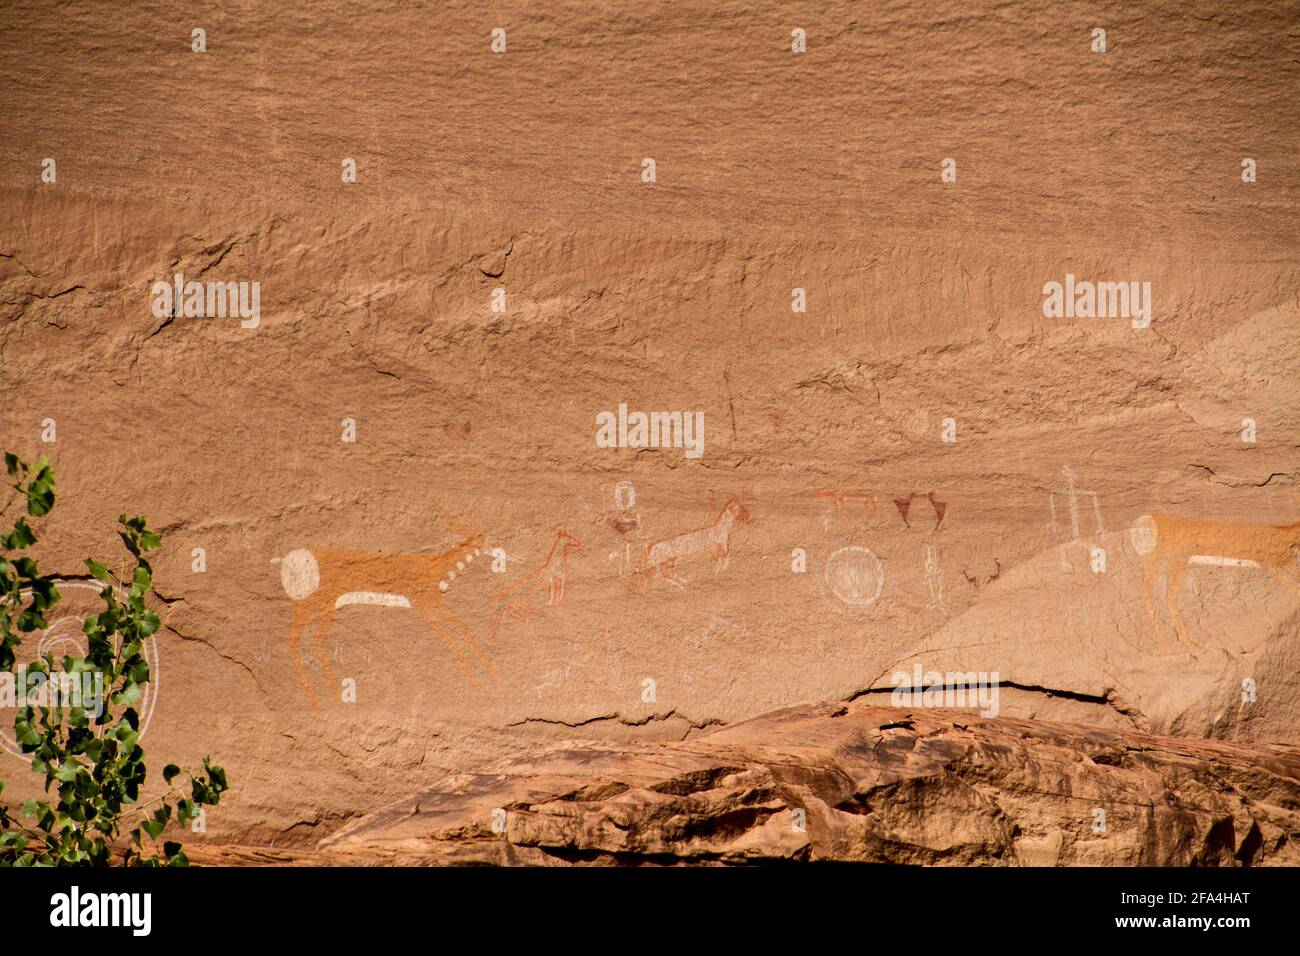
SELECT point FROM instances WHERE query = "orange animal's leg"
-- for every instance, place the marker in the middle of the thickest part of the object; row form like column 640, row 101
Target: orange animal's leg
column 500, row 608
column 503, row 610
column 302, row 615
column 463, row 631
column 451, row 644
column 1177, row 571
column 1283, row 577
column 1148, row 582
column 326, row 619
column 667, row 569
column 1291, row 569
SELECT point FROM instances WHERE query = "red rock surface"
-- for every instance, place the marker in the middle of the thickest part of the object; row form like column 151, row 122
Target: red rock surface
column 862, row 783
column 521, row 171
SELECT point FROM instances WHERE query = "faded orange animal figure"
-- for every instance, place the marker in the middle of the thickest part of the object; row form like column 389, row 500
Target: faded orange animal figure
column 322, row 580
column 714, row 540
column 514, row 603
column 838, row 499
column 1172, row 543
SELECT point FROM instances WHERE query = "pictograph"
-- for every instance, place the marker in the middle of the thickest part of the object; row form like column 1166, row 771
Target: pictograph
column 1070, row 496
column 64, row 637
column 855, row 576
column 1172, row 543
column 714, row 540
column 319, row 581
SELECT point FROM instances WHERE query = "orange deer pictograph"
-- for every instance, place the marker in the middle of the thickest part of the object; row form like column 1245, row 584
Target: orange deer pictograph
column 1172, row 543
column 322, row 580
column 515, row 602
column 840, row 498
column 714, row 540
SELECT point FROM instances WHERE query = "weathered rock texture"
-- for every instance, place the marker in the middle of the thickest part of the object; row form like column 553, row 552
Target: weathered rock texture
column 858, row 782
column 521, row 171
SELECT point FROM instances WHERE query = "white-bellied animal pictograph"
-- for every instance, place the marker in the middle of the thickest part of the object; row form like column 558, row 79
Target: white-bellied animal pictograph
column 322, row 580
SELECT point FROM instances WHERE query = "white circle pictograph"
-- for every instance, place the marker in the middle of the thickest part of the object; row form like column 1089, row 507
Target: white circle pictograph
column 854, row 575
column 1143, row 534
column 299, row 573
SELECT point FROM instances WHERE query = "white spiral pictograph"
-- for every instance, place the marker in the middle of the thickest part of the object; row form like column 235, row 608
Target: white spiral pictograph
column 63, row 638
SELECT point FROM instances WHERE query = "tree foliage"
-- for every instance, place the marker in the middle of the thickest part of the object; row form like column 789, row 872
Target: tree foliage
column 87, row 747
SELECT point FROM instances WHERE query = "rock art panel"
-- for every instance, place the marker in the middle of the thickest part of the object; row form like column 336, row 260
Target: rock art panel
column 320, row 581
column 895, row 362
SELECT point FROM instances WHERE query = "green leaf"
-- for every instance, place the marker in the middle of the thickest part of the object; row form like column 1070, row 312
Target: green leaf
column 149, row 623
column 98, row 570
column 21, row 537
column 40, row 493
column 170, row 772
column 129, row 541
column 129, row 694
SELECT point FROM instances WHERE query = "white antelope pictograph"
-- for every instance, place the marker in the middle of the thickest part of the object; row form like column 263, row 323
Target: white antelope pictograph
column 322, row 580
column 1173, row 543
column 714, row 540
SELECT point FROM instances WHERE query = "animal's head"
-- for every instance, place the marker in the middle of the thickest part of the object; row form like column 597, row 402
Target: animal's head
column 469, row 539
column 737, row 509
column 567, row 541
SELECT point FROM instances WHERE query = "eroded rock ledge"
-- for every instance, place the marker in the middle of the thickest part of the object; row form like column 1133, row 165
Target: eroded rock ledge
column 871, row 784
